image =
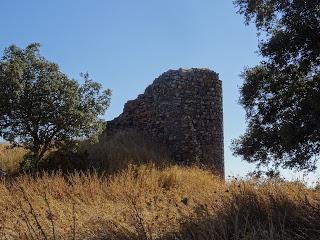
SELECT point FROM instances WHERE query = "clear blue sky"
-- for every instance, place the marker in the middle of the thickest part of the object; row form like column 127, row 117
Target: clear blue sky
column 125, row 44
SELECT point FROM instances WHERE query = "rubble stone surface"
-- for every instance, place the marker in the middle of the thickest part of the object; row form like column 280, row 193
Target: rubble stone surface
column 181, row 109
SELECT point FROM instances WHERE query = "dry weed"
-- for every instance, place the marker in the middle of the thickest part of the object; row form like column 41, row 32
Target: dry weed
column 10, row 158
column 149, row 203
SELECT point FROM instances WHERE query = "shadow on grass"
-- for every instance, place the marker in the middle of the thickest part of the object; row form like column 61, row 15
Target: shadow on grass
column 250, row 216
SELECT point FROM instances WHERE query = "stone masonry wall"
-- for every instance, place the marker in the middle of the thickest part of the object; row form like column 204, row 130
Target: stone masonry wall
column 183, row 110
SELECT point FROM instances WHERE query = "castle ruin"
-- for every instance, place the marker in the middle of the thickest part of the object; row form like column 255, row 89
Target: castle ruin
column 181, row 109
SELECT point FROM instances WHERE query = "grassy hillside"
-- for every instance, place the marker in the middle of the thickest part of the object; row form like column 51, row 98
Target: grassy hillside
column 149, row 203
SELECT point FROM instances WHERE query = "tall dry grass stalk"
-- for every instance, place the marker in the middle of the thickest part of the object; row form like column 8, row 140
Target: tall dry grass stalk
column 149, row 203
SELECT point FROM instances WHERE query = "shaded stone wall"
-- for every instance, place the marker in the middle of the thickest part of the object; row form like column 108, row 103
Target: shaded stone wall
column 183, row 110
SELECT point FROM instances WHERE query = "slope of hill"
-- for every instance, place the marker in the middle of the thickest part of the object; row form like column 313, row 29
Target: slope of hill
column 150, row 203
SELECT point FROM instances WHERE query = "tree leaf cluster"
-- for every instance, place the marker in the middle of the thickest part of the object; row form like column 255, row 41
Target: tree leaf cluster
column 41, row 108
column 281, row 96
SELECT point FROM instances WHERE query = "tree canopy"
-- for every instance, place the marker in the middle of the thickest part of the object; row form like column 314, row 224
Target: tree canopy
column 281, row 96
column 41, row 108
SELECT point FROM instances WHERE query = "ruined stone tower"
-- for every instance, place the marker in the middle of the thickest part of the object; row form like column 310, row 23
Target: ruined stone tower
column 181, row 109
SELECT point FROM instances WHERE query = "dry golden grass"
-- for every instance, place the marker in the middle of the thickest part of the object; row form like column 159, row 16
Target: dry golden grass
column 109, row 155
column 112, row 154
column 149, row 203
column 10, row 158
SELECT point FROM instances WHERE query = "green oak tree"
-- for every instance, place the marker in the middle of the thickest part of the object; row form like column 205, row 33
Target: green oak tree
column 281, row 96
column 41, row 108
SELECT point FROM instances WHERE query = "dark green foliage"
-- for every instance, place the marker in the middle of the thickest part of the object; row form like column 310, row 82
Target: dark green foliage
column 281, row 96
column 41, row 108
